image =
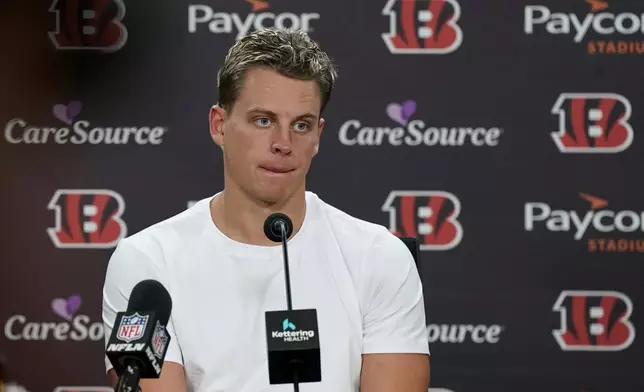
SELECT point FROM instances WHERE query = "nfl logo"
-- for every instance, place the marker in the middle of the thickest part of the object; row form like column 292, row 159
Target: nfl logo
column 159, row 340
column 132, row 327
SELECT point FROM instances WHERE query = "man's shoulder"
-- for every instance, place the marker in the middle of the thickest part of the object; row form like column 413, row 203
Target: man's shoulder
column 348, row 226
column 176, row 229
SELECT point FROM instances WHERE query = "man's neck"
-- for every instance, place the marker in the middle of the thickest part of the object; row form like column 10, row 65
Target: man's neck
column 242, row 219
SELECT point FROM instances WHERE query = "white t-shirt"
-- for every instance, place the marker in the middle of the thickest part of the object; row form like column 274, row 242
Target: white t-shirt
column 361, row 279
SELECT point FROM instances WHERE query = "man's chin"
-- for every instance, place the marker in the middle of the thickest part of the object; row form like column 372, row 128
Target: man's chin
column 273, row 196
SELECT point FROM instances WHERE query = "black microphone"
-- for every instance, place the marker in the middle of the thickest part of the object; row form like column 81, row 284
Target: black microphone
column 292, row 336
column 139, row 339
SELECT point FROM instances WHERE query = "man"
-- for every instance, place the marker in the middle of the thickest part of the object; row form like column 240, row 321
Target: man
column 223, row 273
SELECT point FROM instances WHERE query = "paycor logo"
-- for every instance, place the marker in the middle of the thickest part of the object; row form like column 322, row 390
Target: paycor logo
column 600, row 23
column 290, row 333
column 233, row 23
column 598, row 219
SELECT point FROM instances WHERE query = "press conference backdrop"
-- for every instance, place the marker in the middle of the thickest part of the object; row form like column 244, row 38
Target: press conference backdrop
column 506, row 136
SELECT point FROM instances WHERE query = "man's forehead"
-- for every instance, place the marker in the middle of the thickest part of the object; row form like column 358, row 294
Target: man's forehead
column 279, row 94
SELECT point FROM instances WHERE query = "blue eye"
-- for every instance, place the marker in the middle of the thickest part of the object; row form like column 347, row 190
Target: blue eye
column 263, row 122
column 302, row 127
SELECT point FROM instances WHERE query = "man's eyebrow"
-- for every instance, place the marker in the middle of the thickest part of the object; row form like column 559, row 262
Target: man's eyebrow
column 308, row 116
column 262, row 111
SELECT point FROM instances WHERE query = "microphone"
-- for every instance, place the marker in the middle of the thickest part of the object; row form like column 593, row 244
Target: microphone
column 139, row 340
column 292, row 336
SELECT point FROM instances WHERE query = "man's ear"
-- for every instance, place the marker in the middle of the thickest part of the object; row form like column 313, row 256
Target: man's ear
column 317, row 143
column 216, row 118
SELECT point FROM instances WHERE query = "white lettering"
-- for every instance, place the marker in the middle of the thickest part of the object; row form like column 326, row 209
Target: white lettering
column 635, row 221
column 61, row 331
column 634, row 23
column 17, row 131
column 530, row 217
column 8, row 327
column 580, row 225
column 352, row 133
column 597, row 25
column 493, row 333
column 194, row 18
column 597, row 222
column 153, row 360
column 9, row 127
column 18, row 328
column 128, row 347
column 80, row 330
column 460, row 333
column 223, row 23
column 478, row 334
column 581, row 28
column 293, row 336
column 243, row 27
column 603, row 221
column 602, row 23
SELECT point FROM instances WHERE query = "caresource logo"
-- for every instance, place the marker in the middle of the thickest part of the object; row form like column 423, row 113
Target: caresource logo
column 414, row 132
column 423, row 26
column 429, row 216
column 594, row 321
column 76, row 327
column 591, row 123
column 87, row 218
column 72, row 130
column 603, row 31
column 88, row 25
column 464, row 333
column 240, row 26
column 617, row 224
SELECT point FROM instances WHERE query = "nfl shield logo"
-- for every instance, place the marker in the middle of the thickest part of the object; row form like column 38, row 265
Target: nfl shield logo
column 132, row 327
column 159, row 340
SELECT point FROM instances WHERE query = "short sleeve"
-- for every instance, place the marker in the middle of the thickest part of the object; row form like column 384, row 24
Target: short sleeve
column 392, row 299
column 127, row 266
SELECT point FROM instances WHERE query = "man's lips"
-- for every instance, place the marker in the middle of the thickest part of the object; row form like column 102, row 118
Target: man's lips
column 277, row 169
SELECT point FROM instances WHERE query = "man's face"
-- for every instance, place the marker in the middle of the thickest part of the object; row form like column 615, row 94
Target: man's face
column 270, row 135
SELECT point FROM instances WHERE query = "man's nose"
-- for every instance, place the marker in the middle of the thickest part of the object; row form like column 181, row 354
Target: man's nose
column 281, row 143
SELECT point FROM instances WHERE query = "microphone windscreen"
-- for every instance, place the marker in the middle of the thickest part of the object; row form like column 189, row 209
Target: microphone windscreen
column 272, row 228
column 150, row 295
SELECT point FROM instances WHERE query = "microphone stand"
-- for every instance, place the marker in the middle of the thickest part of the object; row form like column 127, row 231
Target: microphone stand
column 289, row 304
column 129, row 379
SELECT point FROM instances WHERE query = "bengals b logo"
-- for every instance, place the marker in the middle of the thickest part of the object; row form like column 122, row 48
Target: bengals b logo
column 592, row 123
column 594, row 321
column 428, row 216
column 89, row 25
column 423, row 26
column 87, row 219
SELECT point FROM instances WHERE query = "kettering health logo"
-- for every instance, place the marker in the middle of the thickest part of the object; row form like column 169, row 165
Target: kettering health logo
column 415, row 132
column 74, row 130
column 290, row 333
